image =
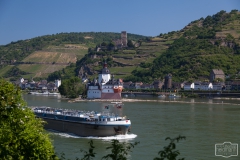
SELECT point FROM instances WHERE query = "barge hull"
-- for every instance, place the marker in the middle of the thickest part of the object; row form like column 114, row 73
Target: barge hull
column 85, row 129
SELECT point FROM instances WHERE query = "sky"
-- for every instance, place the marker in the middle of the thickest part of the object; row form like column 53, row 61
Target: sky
column 26, row 19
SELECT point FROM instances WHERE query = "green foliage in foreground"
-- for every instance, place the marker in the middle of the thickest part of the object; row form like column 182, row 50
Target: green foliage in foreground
column 170, row 152
column 120, row 151
column 90, row 153
column 22, row 136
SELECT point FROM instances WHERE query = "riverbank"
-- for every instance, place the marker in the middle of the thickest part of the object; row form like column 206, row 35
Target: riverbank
column 176, row 100
column 211, row 94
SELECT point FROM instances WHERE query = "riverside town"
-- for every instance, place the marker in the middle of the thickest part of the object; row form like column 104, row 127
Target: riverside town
column 216, row 84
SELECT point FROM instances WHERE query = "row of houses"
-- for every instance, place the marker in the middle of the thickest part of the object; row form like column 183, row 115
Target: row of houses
column 204, row 86
column 41, row 85
column 215, row 74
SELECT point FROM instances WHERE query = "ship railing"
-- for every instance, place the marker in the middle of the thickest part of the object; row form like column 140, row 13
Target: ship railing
column 74, row 113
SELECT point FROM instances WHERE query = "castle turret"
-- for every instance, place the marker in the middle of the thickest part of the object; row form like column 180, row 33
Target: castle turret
column 168, row 81
column 124, row 38
column 105, row 75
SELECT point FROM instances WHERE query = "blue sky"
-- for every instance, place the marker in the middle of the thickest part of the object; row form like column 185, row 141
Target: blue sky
column 25, row 19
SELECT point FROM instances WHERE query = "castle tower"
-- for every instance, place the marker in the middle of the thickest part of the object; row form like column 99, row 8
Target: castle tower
column 168, row 81
column 124, row 38
column 105, row 75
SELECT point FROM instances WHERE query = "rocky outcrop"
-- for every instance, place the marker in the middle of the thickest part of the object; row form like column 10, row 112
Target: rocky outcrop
column 86, row 70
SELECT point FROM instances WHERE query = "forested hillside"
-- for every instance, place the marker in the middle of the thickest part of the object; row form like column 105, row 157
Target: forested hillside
column 205, row 44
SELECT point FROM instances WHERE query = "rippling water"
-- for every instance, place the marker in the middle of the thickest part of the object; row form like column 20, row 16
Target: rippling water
column 204, row 122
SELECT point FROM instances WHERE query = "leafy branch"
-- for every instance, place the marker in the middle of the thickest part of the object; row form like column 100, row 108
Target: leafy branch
column 119, row 150
column 169, row 151
column 90, row 154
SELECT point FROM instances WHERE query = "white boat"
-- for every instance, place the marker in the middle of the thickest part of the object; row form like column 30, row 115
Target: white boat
column 53, row 93
column 44, row 93
column 172, row 95
column 161, row 96
column 118, row 104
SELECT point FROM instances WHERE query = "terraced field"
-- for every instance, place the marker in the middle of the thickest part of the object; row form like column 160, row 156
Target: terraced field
column 50, row 59
column 39, row 70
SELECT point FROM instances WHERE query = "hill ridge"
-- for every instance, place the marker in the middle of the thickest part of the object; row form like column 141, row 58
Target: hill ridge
column 187, row 54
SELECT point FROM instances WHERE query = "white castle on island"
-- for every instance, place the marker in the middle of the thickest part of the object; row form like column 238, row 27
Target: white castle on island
column 106, row 87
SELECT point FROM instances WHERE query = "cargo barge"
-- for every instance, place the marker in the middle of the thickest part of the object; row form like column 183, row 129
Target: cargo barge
column 83, row 123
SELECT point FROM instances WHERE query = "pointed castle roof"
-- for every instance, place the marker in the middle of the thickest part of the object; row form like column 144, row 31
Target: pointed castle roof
column 105, row 70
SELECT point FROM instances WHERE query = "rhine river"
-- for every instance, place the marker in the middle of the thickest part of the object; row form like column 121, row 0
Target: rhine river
column 205, row 122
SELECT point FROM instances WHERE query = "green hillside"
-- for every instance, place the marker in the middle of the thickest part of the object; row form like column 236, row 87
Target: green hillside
column 189, row 54
column 210, row 43
column 44, row 55
column 204, row 44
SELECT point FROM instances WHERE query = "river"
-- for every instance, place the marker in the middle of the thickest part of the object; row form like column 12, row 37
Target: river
column 204, row 122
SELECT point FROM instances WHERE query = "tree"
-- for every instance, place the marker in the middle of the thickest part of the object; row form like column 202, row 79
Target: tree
column 21, row 134
column 111, row 45
column 169, row 151
column 119, row 150
column 130, row 44
column 72, row 87
column 55, row 75
column 103, row 44
column 218, row 80
column 14, row 72
column 88, row 155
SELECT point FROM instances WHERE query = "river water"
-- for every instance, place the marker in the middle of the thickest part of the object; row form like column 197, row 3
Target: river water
column 204, row 122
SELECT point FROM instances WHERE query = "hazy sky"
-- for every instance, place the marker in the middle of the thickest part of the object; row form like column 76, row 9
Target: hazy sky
column 25, row 19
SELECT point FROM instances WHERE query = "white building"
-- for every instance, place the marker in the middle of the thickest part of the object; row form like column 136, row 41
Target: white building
column 57, row 83
column 93, row 92
column 198, row 86
column 188, row 86
column 217, row 86
column 206, row 86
